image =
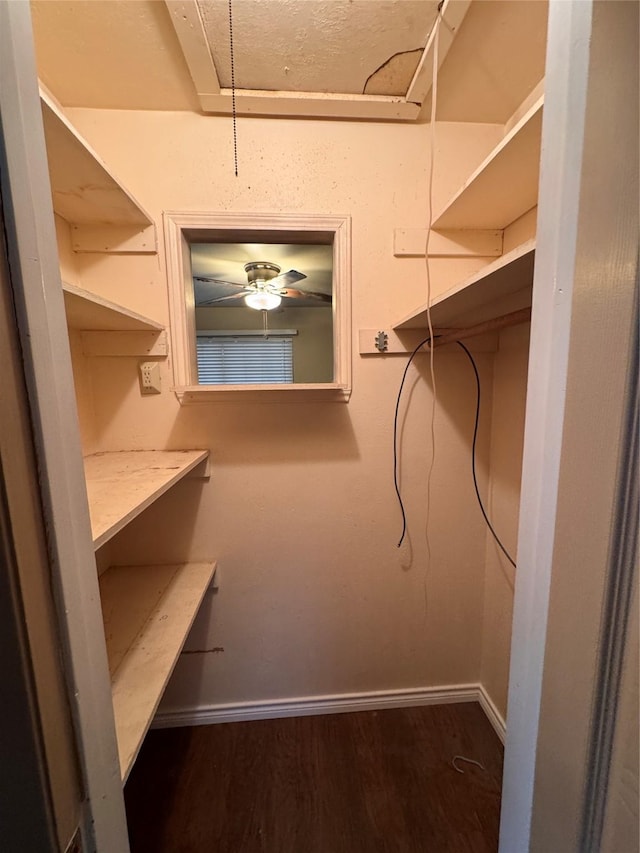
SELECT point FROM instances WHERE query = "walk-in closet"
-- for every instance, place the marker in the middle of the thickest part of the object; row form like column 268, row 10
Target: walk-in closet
column 286, row 313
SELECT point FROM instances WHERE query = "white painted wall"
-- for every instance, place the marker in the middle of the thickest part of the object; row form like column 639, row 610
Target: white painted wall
column 507, row 438
column 507, row 434
column 315, row 598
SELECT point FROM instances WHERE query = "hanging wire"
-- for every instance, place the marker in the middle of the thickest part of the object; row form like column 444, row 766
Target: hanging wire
column 432, row 163
column 457, row 758
column 473, row 447
column 233, row 92
column 428, row 339
column 473, row 455
column 431, row 169
column 395, row 438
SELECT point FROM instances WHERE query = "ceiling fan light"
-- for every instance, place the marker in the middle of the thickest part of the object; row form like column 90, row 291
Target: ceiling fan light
column 262, row 301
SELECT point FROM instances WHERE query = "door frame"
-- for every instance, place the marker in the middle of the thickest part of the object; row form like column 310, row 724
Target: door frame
column 576, row 451
column 28, row 804
column 42, row 331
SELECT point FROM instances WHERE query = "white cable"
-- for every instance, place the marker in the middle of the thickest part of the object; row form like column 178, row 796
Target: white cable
column 468, row 760
column 432, row 147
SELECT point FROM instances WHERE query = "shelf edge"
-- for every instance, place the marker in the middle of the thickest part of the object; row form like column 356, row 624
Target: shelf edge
column 51, row 106
column 150, row 498
column 162, row 618
column 300, row 393
column 504, row 143
column 501, row 263
column 93, row 299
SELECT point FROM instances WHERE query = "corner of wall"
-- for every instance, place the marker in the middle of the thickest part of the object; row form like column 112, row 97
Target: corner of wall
column 507, row 434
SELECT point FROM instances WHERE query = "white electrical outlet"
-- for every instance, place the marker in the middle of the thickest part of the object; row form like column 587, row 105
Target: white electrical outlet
column 150, row 377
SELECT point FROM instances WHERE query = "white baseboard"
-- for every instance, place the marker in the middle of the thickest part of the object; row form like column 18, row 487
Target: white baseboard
column 338, row 704
column 491, row 712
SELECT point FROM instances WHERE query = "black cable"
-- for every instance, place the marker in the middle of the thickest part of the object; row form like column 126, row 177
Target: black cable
column 473, row 447
column 395, row 438
column 473, row 454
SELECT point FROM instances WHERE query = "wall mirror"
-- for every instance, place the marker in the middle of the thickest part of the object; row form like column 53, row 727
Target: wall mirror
column 263, row 312
column 259, row 304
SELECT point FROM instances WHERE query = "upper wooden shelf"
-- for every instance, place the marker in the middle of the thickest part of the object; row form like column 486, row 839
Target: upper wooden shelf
column 502, row 286
column 147, row 613
column 505, row 185
column 121, row 484
column 84, row 191
column 90, row 312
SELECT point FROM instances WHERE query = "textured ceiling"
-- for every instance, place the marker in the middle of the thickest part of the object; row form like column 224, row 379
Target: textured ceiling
column 315, row 45
column 125, row 54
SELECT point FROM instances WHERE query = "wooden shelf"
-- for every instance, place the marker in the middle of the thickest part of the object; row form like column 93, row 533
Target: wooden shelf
column 300, row 392
column 120, row 485
column 147, row 613
column 90, row 312
column 505, row 185
column 83, row 189
column 502, row 286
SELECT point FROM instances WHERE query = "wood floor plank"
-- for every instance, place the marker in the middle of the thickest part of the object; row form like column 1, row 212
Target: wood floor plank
column 371, row 782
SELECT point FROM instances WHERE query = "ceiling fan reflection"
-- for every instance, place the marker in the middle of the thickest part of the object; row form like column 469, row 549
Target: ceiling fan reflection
column 265, row 288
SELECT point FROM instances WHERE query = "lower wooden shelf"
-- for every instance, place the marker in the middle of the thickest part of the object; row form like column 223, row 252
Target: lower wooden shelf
column 147, row 613
column 121, row 484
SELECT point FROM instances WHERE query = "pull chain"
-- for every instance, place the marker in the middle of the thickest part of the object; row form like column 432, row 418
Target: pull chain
column 233, row 93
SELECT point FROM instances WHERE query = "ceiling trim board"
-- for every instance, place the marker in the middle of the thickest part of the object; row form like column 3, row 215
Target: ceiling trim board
column 310, row 105
column 187, row 22
column 451, row 16
column 115, row 344
column 116, row 239
column 412, row 243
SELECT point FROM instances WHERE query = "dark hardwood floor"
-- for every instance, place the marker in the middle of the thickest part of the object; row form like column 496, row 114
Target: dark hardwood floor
column 371, row 782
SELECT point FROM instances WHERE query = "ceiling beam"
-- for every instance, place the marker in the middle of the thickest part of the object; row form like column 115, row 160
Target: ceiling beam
column 187, row 22
column 310, row 105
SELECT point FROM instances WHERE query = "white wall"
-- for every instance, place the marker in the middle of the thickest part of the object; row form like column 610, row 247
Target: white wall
column 507, row 439
column 507, row 434
column 314, row 598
